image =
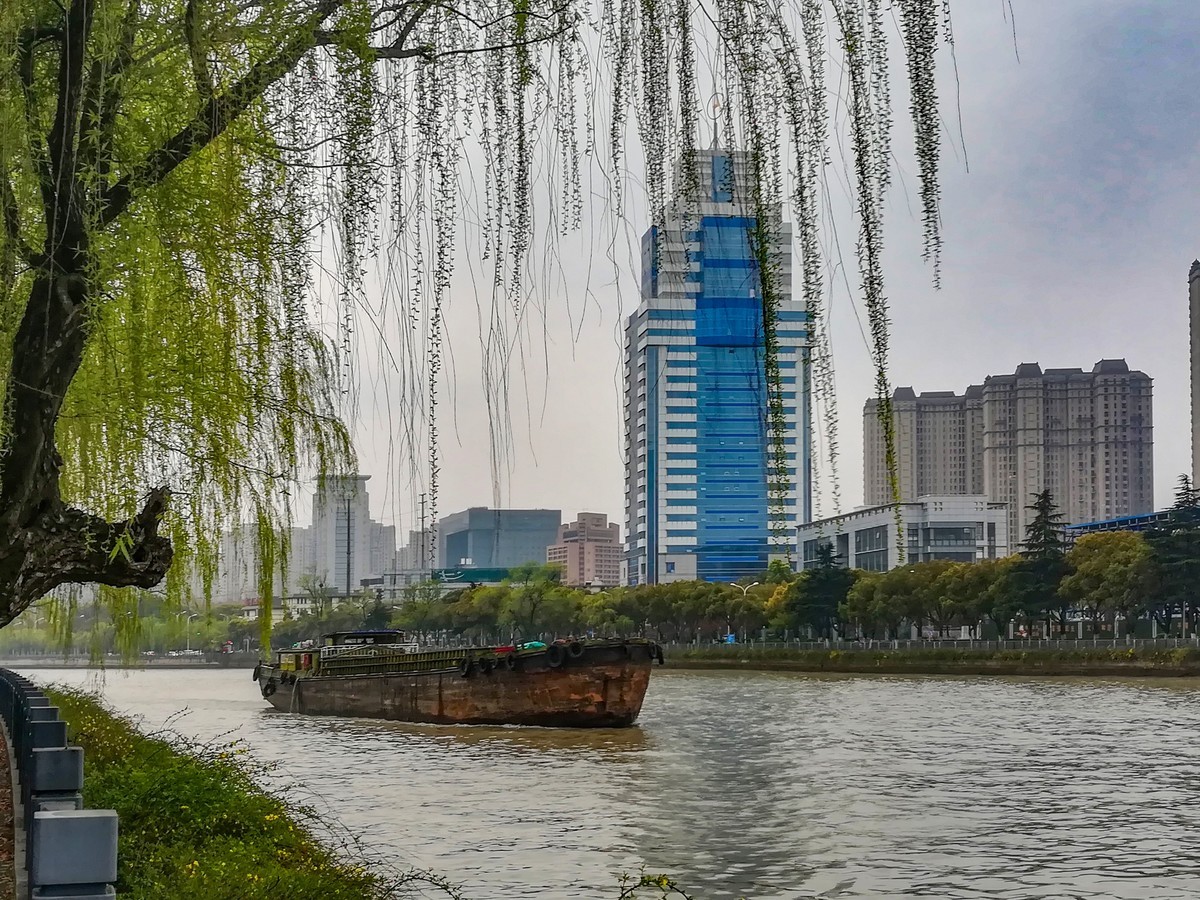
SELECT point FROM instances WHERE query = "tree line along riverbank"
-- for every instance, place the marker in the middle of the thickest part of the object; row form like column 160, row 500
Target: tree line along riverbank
column 1147, row 660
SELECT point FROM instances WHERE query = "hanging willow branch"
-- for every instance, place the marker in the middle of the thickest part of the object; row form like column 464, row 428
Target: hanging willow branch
column 207, row 207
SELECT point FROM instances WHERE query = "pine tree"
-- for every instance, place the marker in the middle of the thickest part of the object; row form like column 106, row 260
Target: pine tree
column 1033, row 582
column 1044, row 538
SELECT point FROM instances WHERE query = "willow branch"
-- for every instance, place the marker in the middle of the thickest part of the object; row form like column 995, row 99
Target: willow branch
column 213, row 117
column 37, row 148
column 12, row 224
column 200, row 70
column 61, row 146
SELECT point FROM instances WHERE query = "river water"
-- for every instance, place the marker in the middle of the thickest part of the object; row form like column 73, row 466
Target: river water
column 756, row 785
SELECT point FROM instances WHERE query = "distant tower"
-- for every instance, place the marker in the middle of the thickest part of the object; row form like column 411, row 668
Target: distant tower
column 1194, row 310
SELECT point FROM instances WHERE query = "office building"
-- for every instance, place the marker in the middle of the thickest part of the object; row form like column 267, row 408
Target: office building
column 699, row 453
column 589, row 551
column 962, row 528
column 485, row 538
column 1086, row 436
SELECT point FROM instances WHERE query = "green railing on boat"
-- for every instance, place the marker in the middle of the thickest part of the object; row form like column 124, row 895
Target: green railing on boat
column 384, row 663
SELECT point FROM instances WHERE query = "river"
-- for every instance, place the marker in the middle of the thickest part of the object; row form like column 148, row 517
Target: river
column 759, row 785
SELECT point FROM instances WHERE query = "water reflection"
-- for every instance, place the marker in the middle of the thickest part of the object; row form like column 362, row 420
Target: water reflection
column 514, row 738
column 768, row 786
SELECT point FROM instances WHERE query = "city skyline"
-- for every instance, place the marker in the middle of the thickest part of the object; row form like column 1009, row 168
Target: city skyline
column 1070, row 217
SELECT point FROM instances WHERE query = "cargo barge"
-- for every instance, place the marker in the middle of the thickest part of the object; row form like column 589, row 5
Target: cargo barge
column 383, row 675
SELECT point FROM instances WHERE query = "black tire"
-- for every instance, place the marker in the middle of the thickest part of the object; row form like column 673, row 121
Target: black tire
column 466, row 667
column 486, row 664
column 257, row 671
column 574, row 649
column 510, row 661
column 555, row 656
column 652, row 651
column 268, row 689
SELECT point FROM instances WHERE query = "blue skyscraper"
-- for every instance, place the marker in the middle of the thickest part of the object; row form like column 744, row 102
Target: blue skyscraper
column 699, row 449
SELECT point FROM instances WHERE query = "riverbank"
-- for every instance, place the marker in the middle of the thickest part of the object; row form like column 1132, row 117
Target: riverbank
column 195, row 826
column 50, row 661
column 1119, row 661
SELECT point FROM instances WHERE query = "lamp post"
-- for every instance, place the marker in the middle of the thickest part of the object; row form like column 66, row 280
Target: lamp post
column 189, row 629
column 745, row 590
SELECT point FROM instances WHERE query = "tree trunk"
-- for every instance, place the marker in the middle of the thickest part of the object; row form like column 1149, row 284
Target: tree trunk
column 43, row 542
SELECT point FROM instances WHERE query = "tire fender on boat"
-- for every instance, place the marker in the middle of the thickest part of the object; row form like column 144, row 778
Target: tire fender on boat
column 268, row 689
column 574, row 649
column 486, row 664
column 510, row 661
column 257, row 671
column 466, row 667
column 555, row 656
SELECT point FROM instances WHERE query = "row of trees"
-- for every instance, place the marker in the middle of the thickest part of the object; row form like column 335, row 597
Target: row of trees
column 1110, row 582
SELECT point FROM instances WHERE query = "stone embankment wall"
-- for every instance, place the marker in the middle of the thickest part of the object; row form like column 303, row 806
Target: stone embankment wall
column 1182, row 661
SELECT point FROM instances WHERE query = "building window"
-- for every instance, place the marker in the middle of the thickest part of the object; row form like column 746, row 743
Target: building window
column 670, row 568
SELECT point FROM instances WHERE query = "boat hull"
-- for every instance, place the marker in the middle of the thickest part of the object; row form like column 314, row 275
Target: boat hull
column 600, row 690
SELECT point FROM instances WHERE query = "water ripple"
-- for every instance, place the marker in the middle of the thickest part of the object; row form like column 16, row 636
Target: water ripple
column 767, row 786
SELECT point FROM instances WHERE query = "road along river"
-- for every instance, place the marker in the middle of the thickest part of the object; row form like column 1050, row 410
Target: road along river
column 762, row 785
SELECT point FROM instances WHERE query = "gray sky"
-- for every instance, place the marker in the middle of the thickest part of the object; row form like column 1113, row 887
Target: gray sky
column 1068, row 241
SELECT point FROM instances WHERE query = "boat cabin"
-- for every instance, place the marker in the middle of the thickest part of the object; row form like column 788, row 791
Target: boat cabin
column 345, row 644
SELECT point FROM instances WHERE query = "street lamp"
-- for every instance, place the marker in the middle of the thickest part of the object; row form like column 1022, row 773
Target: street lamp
column 745, row 590
column 189, row 629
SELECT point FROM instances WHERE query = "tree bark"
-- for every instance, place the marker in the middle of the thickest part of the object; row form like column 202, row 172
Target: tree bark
column 44, row 542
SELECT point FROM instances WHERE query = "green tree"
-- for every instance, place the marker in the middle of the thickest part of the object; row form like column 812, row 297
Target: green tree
column 816, row 596
column 1175, row 555
column 1033, row 580
column 158, row 198
column 863, row 608
column 1112, row 575
column 779, row 572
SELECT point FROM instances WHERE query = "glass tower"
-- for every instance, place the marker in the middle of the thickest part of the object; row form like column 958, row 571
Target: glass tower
column 699, row 451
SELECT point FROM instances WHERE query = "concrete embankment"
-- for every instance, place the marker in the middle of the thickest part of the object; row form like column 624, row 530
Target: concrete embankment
column 1158, row 663
column 216, row 661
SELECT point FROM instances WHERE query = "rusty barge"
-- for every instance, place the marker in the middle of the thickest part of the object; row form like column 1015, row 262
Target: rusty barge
column 382, row 675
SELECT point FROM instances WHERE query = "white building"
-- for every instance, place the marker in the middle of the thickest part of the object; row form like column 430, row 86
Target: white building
column 964, row 528
column 700, row 456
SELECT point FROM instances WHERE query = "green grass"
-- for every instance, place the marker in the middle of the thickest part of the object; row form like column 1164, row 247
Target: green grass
column 195, row 826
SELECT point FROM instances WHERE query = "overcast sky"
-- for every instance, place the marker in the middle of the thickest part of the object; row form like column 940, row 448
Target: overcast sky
column 1068, row 241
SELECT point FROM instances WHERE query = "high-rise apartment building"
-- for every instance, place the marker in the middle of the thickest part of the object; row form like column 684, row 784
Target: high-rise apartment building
column 699, row 449
column 1087, row 436
column 589, row 551
column 939, row 445
column 347, row 546
column 1194, row 318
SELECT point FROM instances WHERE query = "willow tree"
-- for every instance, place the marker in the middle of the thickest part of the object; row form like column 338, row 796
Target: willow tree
column 168, row 168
